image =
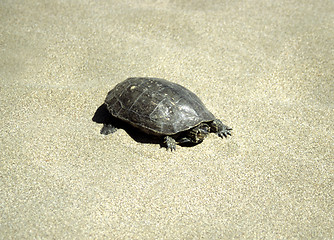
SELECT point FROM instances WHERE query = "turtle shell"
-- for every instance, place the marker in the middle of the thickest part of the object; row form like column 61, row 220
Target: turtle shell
column 157, row 106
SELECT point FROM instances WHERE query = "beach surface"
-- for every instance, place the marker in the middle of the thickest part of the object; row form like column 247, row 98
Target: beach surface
column 265, row 68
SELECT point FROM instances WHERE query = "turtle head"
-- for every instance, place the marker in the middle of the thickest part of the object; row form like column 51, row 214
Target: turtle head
column 197, row 134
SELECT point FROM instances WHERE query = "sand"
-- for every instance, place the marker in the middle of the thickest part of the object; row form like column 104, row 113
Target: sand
column 264, row 67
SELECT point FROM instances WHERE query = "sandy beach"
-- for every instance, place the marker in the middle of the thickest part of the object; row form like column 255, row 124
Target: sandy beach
column 266, row 68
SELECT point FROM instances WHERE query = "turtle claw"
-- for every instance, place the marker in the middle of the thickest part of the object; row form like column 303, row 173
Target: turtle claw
column 220, row 129
column 224, row 132
column 170, row 143
column 108, row 129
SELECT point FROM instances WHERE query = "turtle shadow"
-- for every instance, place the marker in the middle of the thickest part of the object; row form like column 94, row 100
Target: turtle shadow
column 102, row 116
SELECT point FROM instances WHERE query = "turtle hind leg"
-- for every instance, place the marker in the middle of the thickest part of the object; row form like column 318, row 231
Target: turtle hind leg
column 170, row 143
column 220, row 129
column 108, row 129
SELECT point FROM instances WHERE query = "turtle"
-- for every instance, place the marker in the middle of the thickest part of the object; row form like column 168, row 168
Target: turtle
column 164, row 109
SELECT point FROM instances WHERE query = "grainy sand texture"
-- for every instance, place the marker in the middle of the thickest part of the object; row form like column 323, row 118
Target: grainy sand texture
column 264, row 67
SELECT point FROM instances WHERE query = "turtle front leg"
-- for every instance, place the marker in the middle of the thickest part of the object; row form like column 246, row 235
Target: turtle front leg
column 219, row 128
column 108, row 129
column 170, row 143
